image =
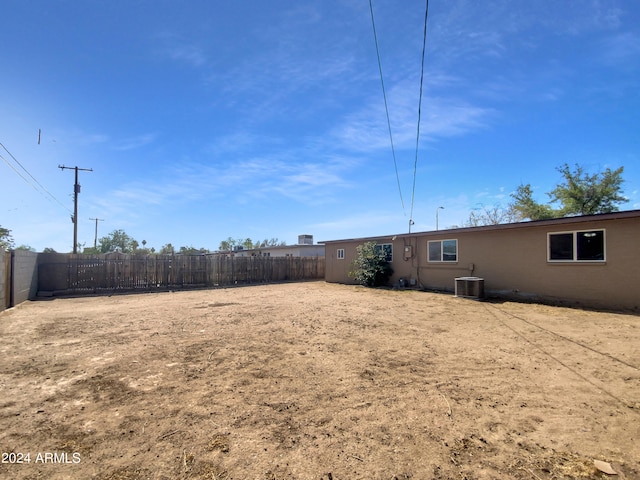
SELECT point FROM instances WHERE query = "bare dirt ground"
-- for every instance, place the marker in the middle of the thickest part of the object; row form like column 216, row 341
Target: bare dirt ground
column 316, row 381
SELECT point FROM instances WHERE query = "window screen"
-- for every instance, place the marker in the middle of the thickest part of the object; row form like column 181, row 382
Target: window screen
column 435, row 251
column 583, row 246
column 590, row 245
column 443, row 251
column 561, row 246
column 449, row 250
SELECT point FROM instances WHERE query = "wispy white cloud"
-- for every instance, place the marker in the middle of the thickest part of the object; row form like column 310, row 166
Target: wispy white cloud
column 621, row 48
column 504, row 18
column 361, row 224
column 297, row 70
column 177, row 49
column 78, row 137
column 267, row 177
column 367, row 129
column 135, row 142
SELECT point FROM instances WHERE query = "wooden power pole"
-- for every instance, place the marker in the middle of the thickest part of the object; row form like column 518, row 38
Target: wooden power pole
column 76, row 191
column 95, row 238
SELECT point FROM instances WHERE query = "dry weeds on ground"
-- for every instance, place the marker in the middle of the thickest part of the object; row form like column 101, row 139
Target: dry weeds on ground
column 316, row 381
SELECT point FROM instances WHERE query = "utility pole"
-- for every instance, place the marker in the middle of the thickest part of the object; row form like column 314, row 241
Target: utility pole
column 76, row 191
column 95, row 238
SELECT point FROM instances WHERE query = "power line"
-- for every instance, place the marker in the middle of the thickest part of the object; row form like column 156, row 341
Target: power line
column 384, row 94
column 34, row 179
column 21, row 176
column 415, row 164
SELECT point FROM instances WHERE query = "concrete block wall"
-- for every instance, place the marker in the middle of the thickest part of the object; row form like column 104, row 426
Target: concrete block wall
column 24, row 276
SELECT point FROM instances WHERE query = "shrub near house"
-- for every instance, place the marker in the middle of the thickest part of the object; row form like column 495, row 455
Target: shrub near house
column 371, row 266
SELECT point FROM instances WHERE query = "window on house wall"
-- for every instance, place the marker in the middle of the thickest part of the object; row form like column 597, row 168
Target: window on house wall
column 442, row 250
column 579, row 246
column 340, row 254
column 387, row 249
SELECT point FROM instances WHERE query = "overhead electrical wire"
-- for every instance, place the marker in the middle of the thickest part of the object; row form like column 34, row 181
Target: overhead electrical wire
column 384, row 95
column 51, row 196
column 20, row 175
column 415, row 164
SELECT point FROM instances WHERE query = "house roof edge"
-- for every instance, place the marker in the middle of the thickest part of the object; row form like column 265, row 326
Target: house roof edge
column 502, row 226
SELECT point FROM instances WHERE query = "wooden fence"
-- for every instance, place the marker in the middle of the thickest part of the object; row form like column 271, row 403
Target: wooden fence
column 72, row 274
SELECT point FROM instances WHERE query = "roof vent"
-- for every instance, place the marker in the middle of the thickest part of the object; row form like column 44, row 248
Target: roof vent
column 305, row 239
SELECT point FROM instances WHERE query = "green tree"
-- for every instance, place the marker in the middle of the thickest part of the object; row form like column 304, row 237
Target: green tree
column 28, row 248
column 227, row 244
column 273, row 242
column 49, row 250
column 584, row 194
column 191, row 250
column 248, row 244
column 526, row 207
column 370, row 267
column 144, row 250
column 6, row 240
column 117, row 240
column 167, row 249
column 580, row 193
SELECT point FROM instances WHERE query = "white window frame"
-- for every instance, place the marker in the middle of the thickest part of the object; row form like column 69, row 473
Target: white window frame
column 574, row 247
column 340, row 254
column 442, row 260
column 382, row 245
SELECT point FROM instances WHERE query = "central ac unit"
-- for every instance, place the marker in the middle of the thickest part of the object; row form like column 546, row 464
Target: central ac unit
column 472, row 287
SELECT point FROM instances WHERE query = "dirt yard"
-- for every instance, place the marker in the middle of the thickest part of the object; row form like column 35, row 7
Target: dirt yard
column 316, row 381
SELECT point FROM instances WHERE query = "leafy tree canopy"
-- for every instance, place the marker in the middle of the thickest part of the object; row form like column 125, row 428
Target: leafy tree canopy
column 117, row 241
column 580, row 193
column 370, row 267
column 584, row 194
column 6, row 240
column 248, row 244
column 167, row 249
column 190, row 250
column 526, row 207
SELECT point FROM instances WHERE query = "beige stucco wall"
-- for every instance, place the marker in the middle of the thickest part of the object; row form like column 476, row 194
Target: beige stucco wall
column 513, row 262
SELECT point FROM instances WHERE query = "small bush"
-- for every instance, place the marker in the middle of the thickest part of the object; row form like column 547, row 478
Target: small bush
column 370, row 267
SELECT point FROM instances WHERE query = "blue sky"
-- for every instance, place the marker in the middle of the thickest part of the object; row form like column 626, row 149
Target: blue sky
column 204, row 120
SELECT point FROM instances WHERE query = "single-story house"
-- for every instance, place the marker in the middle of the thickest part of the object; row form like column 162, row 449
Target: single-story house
column 591, row 260
column 282, row 251
column 304, row 248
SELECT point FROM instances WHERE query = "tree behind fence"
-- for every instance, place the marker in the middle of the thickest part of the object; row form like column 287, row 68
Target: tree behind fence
column 68, row 273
